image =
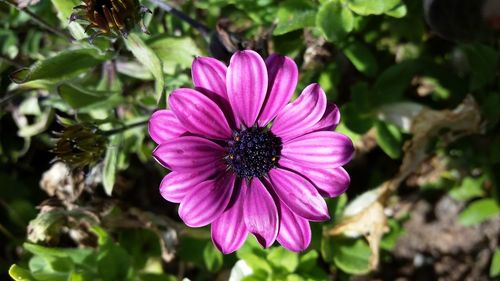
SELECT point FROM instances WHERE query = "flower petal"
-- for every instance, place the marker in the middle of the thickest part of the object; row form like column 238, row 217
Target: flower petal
column 229, row 231
column 299, row 195
column 295, row 232
column 189, row 154
column 246, row 83
column 330, row 119
column 207, row 201
column 283, row 76
column 329, row 182
column 299, row 116
column 321, row 149
column 199, row 114
column 176, row 185
column 163, row 125
column 210, row 74
column 260, row 212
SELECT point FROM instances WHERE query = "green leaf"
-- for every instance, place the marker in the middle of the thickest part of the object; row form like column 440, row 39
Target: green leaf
column 111, row 163
column 392, row 83
column 469, row 188
column 20, row 274
column 362, row 58
column 85, row 100
column 65, row 9
column 280, row 257
column 495, row 264
column 479, row 211
column 61, row 67
column 212, row 257
column 149, row 59
column 334, row 20
column 76, row 255
column 307, row 261
column 293, row 15
column 398, row 11
column 372, row 7
column 482, row 61
column 351, row 255
column 175, row 53
column 389, row 139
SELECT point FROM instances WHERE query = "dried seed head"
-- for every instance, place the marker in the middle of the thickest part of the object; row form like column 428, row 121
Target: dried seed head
column 79, row 145
column 110, row 17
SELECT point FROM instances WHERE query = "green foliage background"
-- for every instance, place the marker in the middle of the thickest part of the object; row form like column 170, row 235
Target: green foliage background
column 377, row 59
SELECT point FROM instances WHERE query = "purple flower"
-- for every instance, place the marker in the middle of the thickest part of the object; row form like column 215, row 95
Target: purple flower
column 244, row 160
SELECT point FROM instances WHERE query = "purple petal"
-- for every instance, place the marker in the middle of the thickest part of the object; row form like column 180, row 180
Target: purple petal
column 295, row 232
column 163, row 125
column 329, row 182
column 207, row 201
column 299, row 116
column 210, row 74
column 229, row 231
column 246, row 83
column 199, row 114
column 260, row 213
column 283, row 75
column 299, row 194
column 176, row 185
column 321, row 149
column 330, row 119
column 189, row 154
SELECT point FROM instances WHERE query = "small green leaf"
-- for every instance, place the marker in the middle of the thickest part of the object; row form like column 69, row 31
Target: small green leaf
column 280, row 257
column 293, row 15
column 174, row 52
column 495, row 264
column 469, row 188
column 372, row 7
column 362, row 58
column 85, row 100
column 351, row 255
column 212, row 257
column 307, row 261
column 65, row 9
column 392, row 83
column 149, row 59
column 389, row 138
column 111, row 163
column 61, row 67
column 20, row 274
column 398, row 11
column 334, row 20
column 479, row 211
column 482, row 61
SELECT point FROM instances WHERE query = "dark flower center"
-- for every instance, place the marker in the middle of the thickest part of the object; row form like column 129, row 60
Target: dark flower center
column 253, row 152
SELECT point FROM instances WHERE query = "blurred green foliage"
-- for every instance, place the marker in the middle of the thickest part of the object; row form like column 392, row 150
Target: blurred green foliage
column 377, row 59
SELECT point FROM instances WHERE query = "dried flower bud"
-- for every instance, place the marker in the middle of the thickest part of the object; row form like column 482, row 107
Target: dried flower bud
column 79, row 145
column 110, row 16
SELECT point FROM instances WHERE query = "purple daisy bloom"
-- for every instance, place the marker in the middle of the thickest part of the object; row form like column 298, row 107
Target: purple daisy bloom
column 244, row 160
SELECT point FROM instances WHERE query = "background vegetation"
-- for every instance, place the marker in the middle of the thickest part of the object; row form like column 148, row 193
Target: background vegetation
column 419, row 93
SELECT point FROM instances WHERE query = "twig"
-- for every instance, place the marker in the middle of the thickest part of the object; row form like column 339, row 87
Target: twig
column 203, row 29
column 39, row 20
column 124, row 128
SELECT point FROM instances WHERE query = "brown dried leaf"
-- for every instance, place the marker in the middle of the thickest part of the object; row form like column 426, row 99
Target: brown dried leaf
column 365, row 215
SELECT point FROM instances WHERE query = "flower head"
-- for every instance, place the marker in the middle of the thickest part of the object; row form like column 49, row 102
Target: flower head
column 245, row 161
column 79, row 145
column 110, row 16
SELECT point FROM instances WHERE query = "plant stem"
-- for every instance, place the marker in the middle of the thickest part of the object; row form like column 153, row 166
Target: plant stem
column 124, row 128
column 203, row 29
column 39, row 20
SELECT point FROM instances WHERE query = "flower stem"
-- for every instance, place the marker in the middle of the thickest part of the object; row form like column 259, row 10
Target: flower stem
column 39, row 20
column 203, row 29
column 124, row 128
